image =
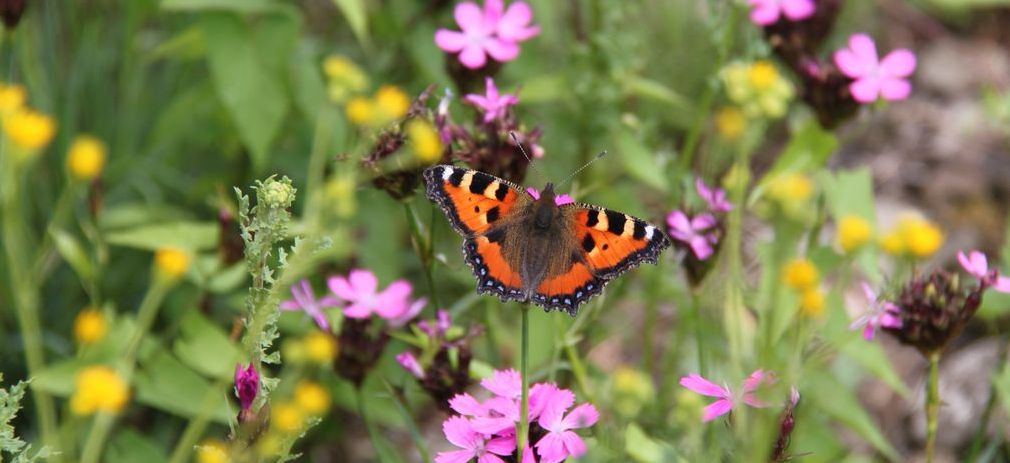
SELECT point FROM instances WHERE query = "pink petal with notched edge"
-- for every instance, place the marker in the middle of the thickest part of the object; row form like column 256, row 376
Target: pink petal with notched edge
column 450, row 41
column 696, row 383
column 895, row 89
column 493, row 11
column 754, row 380
column 465, row 404
column 574, row 444
column 290, row 305
column 513, row 24
column 342, row 288
column 479, row 101
column 501, row 445
column 865, row 90
column 850, row 64
column 455, row 456
column 489, row 458
column 363, row 281
column 764, row 12
column 583, row 416
column 703, row 221
column 470, row 18
column 974, row 263
column 504, row 383
column 1002, row 284
column 357, row 310
column 552, row 416
column 898, row 63
column 701, row 247
column 528, row 455
column 501, row 50
column 753, row 401
column 551, row 448
column 864, row 48
column 473, row 56
column 798, row 9
column 408, row 315
column 678, row 220
column 717, row 409
column 460, row 433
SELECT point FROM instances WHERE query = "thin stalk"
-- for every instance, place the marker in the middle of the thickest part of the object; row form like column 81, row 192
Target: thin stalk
column 373, row 435
column 196, row 426
column 932, row 405
column 522, row 433
column 976, row 443
column 423, row 247
column 699, row 325
column 415, row 431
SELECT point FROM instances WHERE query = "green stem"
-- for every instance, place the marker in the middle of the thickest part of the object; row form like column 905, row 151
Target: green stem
column 415, row 432
column 932, row 405
column 522, row 433
column 699, row 326
column 146, row 315
column 373, row 435
column 197, row 426
column 977, row 441
column 422, row 245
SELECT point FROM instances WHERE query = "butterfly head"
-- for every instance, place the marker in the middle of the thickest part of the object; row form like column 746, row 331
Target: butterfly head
column 546, row 210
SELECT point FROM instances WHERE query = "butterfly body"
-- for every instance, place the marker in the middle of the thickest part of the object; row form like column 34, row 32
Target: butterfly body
column 528, row 248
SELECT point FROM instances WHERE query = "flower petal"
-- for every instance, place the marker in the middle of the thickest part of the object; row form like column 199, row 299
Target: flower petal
column 470, row 18
column 357, row 310
column 583, row 416
column 410, row 363
column 696, row 383
column 473, row 56
column 555, row 405
column 865, row 90
column 513, row 24
column 895, row 89
column 460, row 433
column 363, row 282
column 489, row 458
column 290, row 305
column 717, row 409
column 798, row 9
column 898, row 63
column 864, row 48
column 342, row 288
column 678, row 220
column 755, row 379
column 501, row 445
column 701, row 247
column 455, row 456
column 465, row 404
column 504, row 383
column 501, row 50
column 764, row 13
column 450, row 41
column 850, row 64
column 974, row 263
column 1002, row 284
column 573, row 444
column 551, row 448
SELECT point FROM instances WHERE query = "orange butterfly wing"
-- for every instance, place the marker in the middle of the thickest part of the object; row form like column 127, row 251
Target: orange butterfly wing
column 611, row 243
column 473, row 201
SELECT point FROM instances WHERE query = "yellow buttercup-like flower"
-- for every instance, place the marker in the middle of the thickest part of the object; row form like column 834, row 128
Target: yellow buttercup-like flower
column 312, row 398
column 812, row 302
column 99, row 389
column 320, row 347
column 913, row 236
column 172, row 262
column 791, row 187
column 90, row 326
column 12, row 98
column 632, row 390
column 28, row 129
column 391, row 103
column 759, row 88
column 286, row 417
column 212, row 451
column 345, row 78
column 801, row 274
column 424, row 140
column 360, row 110
column 853, row 233
column 730, row 122
column 86, row 157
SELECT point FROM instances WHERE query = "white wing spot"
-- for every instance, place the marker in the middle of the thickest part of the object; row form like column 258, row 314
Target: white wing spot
column 648, row 231
column 446, row 173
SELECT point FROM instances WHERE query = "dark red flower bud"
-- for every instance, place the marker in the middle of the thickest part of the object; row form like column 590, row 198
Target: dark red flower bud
column 11, row 10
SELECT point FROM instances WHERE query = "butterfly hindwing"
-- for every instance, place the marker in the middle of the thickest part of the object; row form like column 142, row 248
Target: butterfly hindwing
column 472, row 200
column 614, row 242
column 494, row 274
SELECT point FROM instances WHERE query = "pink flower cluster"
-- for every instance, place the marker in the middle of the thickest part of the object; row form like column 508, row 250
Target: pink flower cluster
column 872, row 77
column 699, row 232
column 494, row 104
column 728, row 400
column 882, row 314
column 359, row 294
column 487, row 431
column 494, row 31
column 977, row 265
column 768, row 12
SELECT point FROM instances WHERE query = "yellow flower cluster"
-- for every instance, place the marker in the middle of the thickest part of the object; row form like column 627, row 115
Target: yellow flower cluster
column 344, row 78
column 320, row 347
column 99, row 389
column 312, row 398
column 387, row 105
column 632, row 390
column 913, row 237
column 758, row 88
column 86, row 157
column 802, row 276
column 424, row 141
column 791, row 193
column 212, row 451
column 172, row 263
column 90, row 326
column 854, row 232
column 730, row 123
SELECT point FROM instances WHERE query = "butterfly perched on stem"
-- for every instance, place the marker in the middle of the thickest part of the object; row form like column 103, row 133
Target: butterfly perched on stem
column 532, row 247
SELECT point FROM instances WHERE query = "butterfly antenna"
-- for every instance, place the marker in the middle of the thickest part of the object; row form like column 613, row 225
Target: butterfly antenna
column 580, row 169
column 527, row 156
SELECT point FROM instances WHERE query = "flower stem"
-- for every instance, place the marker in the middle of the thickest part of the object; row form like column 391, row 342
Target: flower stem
column 932, row 405
column 976, row 444
column 198, row 424
column 522, row 433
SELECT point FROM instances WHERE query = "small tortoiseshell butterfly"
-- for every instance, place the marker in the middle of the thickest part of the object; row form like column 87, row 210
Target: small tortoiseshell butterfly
column 526, row 247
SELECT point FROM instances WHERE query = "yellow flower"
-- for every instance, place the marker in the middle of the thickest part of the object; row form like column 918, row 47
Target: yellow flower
column 287, row 417
column 791, row 187
column 30, row 130
column 759, row 88
column 633, row 389
column 345, row 77
column 853, row 232
column 730, row 122
column 762, row 75
column 425, row 141
column 212, row 451
column 812, row 302
column 801, row 274
column 922, row 238
column 360, row 110
column 320, row 347
column 12, row 98
column 90, row 326
column 892, row 243
column 86, row 158
column 312, row 398
column 99, row 389
column 172, row 262
column 391, row 103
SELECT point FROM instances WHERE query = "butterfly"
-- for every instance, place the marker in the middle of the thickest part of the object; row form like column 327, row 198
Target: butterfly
column 525, row 246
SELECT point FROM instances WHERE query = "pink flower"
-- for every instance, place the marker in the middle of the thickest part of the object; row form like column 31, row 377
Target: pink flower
column 976, row 264
column 247, row 385
column 887, row 78
column 727, row 400
column 488, row 32
column 305, row 300
column 442, row 324
column 410, row 363
column 559, row 200
column 493, row 104
column 360, row 288
column 715, row 197
column 881, row 314
column 560, row 442
column 694, row 232
column 473, row 444
column 767, row 12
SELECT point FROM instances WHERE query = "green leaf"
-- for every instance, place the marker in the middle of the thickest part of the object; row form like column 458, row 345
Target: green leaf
column 808, row 149
column 639, row 161
column 73, row 253
column 185, row 235
column 640, row 446
column 204, row 347
column 851, row 193
column 166, row 384
column 254, row 98
column 236, row 6
column 135, row 214
column 544, row 88
column 836, row 400
column 309, row 89
column 357, row 17
column 867, row 354
column 129, row 446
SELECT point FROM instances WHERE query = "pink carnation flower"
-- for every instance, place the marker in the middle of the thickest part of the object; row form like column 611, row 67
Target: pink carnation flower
column 460, row 433
column 492, row 103
column 695, row 232
column 767, row 12
column 873, row 78
column 715, row 197
column 409, row 362
column 305, row 300
column 727, row 399
column 493, row 31
column 976, row 264
column 360, row 289
column 882, row 314
column 561, row 442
